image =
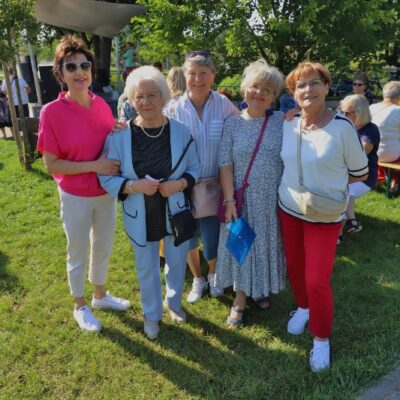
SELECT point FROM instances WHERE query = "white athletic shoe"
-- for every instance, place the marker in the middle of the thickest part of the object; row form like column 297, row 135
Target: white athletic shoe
column 298, row 321
column 86, row 320
column 215, row 290
column 151, row 329
column 110, row 302
column 320, row 356
column 199, row 286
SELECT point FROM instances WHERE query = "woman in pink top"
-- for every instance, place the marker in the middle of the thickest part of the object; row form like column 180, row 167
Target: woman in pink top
column 72, row 133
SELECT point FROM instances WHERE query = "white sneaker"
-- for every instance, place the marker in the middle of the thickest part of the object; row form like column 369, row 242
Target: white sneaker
column 215, row 290
column 176, row 316
column 320, row 356
column 298, row 321
column 199, row 286
column 151, row 329
column 110, row 302
column 86, row 320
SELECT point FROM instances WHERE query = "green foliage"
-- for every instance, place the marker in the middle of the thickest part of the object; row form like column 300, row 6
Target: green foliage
column 232, row 83
column 44, row 356
column 283, row 32
column 17, row 24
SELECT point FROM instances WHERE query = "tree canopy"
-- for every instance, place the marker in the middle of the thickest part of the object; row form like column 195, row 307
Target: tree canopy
column 282, row 31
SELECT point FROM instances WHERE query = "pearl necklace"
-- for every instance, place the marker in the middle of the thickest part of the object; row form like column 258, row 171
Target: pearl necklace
column 153, row 136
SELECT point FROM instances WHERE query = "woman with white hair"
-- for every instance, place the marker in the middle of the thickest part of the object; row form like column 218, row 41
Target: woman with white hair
column 159, row 166
column 263, row 271
column 204, row 111
column 356, row 108
column 386, row 115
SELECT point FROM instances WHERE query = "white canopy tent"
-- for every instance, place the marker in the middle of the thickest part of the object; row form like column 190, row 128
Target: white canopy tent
column 90, row 16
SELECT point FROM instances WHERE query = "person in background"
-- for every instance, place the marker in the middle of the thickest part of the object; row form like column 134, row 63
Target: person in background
column 128, row 60
column 204, row 111
column 177, row 85
column 148, row 150
column 360, row 86
column 5, row 115
column 72, row 133
column 386, row 115
column 125, row 109
column 331, row 157
column 158, row 65
column 356, row 108
column 263, row 271
column 287, row 102
column 25, row 90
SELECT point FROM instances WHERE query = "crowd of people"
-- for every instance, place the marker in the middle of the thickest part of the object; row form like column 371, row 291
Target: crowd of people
column 185, row 144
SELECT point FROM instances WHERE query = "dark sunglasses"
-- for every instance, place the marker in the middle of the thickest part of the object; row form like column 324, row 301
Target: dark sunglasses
column 357, row 84
column 72, row 67
column 204, row 53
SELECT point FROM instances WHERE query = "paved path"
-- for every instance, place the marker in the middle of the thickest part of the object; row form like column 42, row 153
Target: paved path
column 386, row 389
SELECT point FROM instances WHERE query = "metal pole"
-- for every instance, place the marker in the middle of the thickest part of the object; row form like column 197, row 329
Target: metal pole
column 35, row 74
column 116, row 44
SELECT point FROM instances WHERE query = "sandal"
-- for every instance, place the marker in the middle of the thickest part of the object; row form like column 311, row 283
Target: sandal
column 234, row 323
column 263, row 303
column 353, row 226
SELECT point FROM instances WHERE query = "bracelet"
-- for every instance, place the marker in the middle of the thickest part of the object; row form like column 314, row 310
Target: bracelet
column 229, row 200
column 129, row 186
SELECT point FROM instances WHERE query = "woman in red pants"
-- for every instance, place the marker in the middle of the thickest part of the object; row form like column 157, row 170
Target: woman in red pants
column 331, row 156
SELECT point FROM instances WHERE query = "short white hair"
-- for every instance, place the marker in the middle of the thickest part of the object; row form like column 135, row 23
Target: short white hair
column 391, row 90
column 361, row 106
column 260, row 70
column 147, row 73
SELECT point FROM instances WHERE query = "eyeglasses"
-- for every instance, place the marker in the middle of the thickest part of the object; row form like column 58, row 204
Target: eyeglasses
column 265, row 91
column 357, row 84
column 348, row 113
column 72, row 67
column 194, row 53
column 313, row 84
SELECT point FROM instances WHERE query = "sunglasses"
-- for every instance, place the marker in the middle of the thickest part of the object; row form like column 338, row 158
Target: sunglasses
column 72, row 67
column 204, row 53
column 358, row 84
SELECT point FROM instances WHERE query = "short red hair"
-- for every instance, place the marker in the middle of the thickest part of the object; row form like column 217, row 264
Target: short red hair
column 305, row 68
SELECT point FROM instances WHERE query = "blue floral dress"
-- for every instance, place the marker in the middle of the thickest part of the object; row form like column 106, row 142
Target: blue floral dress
column 264, row 269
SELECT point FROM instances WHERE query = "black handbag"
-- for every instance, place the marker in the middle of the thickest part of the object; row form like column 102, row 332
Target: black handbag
column 182, row 223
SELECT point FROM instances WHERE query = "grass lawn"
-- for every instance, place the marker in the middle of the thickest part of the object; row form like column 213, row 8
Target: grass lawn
column 43, row 354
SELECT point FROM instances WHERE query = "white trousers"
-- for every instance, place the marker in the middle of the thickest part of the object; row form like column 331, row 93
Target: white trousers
column 87, row 221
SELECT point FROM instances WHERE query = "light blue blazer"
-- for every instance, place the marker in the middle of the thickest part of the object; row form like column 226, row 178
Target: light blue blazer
column 119, row 147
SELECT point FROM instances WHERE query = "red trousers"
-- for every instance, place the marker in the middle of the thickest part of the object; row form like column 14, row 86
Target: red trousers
column 310, row 250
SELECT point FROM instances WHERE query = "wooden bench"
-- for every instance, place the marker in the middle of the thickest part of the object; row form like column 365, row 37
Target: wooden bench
column 390, row 167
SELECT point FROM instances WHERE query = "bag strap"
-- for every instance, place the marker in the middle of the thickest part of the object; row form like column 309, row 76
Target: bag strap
column 245, row 183
column 180, row 158
column 300, row 169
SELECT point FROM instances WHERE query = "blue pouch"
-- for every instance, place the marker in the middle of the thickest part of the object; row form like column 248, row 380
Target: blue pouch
column 240, row 239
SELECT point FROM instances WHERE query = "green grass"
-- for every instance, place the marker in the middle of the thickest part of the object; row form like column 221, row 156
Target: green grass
column 43, row 355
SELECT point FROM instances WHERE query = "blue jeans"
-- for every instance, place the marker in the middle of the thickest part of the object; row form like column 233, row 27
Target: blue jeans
column 208, row 229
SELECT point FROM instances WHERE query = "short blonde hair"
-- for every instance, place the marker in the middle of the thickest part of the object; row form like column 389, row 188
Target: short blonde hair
column 146, row 73
column 176, row 81
column 307, row 67
column 361, row 106
column 391, row 90
column 260, row 70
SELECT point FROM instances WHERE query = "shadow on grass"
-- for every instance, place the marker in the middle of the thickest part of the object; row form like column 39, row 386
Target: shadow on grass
column 9, row 283
column 216, row 355
column 40, row 174
column 1, row 166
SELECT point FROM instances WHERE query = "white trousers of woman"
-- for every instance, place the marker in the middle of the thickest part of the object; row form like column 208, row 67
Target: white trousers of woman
column 88, row 222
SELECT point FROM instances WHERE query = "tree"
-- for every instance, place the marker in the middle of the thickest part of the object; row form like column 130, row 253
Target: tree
column 282, row 31
column 17, row 26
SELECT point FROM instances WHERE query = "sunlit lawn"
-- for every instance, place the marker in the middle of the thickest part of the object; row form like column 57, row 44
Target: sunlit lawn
column 43, row 355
